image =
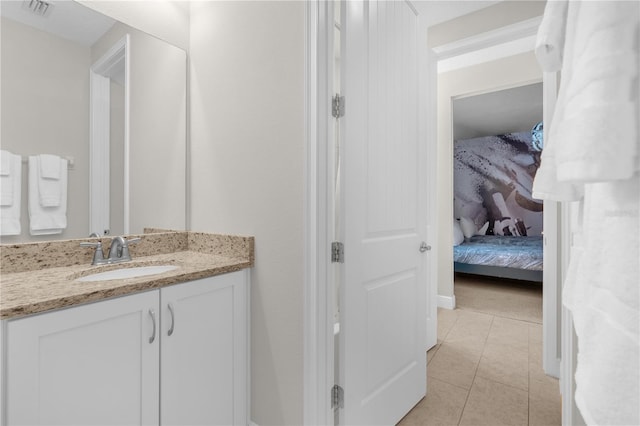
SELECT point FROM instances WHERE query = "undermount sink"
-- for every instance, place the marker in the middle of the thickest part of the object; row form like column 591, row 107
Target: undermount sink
column 123, row 273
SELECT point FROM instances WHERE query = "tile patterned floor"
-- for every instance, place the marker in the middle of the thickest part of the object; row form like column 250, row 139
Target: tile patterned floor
column 487, row 366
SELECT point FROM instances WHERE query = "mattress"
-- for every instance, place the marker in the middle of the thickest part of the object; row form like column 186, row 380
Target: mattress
column 495, row 250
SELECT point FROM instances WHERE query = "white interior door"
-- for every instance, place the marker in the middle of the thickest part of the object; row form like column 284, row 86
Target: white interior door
column 384, row 291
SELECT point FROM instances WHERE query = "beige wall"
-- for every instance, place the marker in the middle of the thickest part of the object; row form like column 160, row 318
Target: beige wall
column 247, row 156
column 45, row 110
column 499, row 74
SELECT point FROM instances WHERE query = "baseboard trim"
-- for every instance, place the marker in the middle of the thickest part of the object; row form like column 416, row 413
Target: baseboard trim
column 252, row 424
column 447, row 302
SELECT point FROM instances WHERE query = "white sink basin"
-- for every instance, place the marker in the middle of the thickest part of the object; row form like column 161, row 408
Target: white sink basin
column 122, row 273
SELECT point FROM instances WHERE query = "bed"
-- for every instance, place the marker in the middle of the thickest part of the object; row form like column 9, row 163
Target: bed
column 513, row 257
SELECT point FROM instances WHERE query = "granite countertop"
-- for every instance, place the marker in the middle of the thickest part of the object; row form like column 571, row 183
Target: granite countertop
column 40, row 277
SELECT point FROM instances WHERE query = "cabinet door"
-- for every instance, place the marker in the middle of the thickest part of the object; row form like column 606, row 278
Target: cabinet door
column 87, row 365
column 204, row 352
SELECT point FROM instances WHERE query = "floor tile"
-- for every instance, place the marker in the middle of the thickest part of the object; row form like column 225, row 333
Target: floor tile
column 535, row 333
column 442, row 406
column 503, row 364
column 504, row 298
column 446, row 319
column 487, row 366
column 494, row 404
column 540, row 384
column 545, row 410
column 470, row 331
column 454, row 365
column 509, row 332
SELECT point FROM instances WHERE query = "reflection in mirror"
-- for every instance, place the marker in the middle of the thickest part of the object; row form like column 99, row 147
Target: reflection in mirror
column 46, row 100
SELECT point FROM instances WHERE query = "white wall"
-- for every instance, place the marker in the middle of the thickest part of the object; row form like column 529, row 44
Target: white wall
column 247, row 156
column 45, row 99
column 489, row 76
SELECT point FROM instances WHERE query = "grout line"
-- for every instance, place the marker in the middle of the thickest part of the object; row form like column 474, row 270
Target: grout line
column 475, row 373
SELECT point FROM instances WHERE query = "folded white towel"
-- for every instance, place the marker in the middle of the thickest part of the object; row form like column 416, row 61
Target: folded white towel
column 5, row 163
column 46, row 220
column 49, row 166
column 10, row 190
column 50, row 188
column 6, row 178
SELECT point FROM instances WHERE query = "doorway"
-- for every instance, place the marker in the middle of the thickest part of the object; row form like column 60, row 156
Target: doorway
column 498, row 225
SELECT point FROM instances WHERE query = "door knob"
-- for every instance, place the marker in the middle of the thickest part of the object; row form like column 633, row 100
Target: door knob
column 424, row 247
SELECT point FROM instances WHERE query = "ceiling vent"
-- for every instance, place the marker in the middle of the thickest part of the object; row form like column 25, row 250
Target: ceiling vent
column 38, row 7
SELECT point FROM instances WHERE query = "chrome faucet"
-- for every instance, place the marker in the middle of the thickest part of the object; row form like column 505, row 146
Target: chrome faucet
column 118, row 251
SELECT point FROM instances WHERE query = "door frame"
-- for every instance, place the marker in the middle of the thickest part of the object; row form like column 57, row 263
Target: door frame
column 503, row 42
column 318, row 288
column 100, row 74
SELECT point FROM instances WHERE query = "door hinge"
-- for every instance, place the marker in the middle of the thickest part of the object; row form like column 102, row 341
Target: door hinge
column 337, row 252
column 337, row 397
column 337, row 106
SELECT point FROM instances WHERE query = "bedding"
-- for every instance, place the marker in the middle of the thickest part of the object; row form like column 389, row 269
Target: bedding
column 501, row 251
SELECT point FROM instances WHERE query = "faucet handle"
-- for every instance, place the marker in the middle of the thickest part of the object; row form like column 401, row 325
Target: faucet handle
column 132, row 240
column 98, row 256
column 125, row 247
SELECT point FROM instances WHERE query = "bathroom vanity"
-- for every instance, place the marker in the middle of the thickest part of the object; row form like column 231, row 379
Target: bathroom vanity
column 168, row 348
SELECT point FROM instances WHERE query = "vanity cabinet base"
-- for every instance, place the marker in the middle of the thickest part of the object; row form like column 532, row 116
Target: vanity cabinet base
column 172, row 356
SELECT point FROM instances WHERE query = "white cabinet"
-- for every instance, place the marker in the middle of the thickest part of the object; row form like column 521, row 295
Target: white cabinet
column 86, row 365
column 172, row 356
column 204, row 352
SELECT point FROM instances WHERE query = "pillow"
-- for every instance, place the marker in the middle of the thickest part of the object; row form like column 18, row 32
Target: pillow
column 468, row 227
column 458, row 236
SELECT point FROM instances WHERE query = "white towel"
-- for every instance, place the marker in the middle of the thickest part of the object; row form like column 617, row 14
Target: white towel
column 46, row 220
column 49, row 166
column 592, row 151
column 6, row 178
column 10, row 191
column 593, row 136
column 52, row 176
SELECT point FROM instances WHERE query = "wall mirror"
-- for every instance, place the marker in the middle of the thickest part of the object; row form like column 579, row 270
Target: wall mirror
column 71, row 76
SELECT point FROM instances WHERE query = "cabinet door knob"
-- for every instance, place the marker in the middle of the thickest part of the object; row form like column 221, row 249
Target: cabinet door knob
column 153, row 321
column 424, row 247
column 170, row 332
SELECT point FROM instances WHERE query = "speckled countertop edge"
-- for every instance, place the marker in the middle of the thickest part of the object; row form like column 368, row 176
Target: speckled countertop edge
column 44, row 289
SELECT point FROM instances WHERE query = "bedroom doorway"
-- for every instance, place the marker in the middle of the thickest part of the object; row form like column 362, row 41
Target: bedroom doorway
column 498, row 225
column 497, row 143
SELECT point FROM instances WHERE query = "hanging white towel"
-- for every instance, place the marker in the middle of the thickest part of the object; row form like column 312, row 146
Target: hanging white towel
column 6, row 178
column 52, row 176
column 592, row 153
column 10, row 191
column 48, row 212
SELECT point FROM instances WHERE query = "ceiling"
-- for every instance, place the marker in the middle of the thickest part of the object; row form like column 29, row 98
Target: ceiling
column 505, row 111
column 65, row 18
